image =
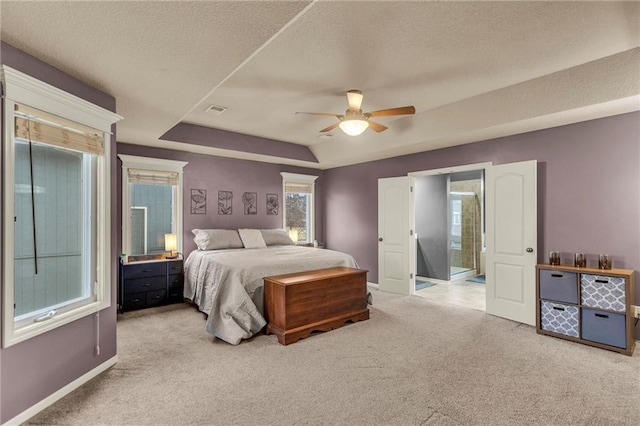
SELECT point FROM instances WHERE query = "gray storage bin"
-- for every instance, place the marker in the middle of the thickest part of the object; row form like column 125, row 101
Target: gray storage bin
column 604, row 327
column 560, row 286
column 604, row 292
column 559, row 318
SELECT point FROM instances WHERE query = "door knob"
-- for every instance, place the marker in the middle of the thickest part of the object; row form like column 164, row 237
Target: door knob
column 380, row 239
column 529, row 250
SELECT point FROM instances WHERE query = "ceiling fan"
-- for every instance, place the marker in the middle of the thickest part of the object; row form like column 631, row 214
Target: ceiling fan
column 353, row 122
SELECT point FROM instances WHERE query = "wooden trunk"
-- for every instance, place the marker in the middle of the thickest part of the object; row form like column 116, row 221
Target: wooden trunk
column 297, row 304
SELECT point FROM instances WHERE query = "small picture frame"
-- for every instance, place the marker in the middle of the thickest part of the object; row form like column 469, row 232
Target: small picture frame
column 273, row 205
column 198, row 201
column 225, row 203
column 250, row 201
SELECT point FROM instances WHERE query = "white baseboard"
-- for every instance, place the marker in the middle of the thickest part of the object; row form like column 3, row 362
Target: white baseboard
column 35, row 409
column 373, row 285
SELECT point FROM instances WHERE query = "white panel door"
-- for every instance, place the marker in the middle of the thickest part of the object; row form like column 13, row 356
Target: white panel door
column 393, row 235
column 511, row 215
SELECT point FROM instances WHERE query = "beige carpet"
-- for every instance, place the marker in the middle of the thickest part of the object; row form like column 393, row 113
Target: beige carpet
column 413, row 362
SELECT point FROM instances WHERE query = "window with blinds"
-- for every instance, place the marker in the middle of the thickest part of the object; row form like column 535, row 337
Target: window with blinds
column 55, row 177
column 40, row 127
column 152, row 177
column 152, row 200
column 55, row 180
column 298, row 217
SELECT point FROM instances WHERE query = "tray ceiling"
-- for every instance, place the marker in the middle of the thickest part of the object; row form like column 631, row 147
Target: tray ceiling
column 473, row 70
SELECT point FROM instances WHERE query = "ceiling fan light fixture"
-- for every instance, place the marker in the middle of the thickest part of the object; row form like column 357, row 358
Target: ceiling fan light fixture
column 354, row 126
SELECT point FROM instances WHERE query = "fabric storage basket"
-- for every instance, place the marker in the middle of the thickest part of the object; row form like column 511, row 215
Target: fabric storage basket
column 604, row 327
column 559, row 286
column 559, row 318
column 603, row 292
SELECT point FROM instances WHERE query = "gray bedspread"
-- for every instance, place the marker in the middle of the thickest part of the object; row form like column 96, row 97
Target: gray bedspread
column 227, row 284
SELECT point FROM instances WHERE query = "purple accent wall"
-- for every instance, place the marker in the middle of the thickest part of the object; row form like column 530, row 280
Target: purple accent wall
column 588, row 196
column 36, row 368
column 215, row 174
column 206, row 136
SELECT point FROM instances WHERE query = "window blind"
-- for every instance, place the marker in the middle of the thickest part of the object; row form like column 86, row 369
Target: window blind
column 38, row 126
column 300, row 188
column 152, row 177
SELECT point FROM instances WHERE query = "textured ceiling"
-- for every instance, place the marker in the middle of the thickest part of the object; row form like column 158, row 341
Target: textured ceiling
column 473, row 70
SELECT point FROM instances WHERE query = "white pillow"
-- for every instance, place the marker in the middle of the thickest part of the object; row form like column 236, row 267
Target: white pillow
column 216, row 239
column 276, row 237
column 252, row 238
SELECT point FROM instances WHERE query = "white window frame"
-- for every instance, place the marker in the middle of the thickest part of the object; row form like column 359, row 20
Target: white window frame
column 20, row 88
column 157, row 164
column 302, row 179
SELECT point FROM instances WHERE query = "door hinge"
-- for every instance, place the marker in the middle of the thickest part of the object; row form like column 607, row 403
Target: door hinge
column 410, row 232
column 410, row 276
column 411, row 188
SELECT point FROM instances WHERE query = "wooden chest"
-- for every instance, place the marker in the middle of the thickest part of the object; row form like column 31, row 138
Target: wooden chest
column 297, row 304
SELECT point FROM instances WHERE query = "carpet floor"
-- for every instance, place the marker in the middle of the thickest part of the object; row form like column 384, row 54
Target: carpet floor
column 413, row 362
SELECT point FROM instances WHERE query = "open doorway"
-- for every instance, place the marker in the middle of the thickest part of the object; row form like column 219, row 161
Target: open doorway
column 449, row 219
column 510, row 234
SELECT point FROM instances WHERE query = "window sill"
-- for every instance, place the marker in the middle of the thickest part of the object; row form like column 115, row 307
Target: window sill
column 12, row 337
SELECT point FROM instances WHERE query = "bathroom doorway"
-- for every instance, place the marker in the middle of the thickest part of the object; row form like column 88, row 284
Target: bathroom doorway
column 449, row 211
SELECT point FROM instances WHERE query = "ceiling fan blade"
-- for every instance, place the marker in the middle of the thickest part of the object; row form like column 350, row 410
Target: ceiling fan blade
column 392, row 111
column 377, row 127
column 328, row 129
column 354, row 97
column 328, row 114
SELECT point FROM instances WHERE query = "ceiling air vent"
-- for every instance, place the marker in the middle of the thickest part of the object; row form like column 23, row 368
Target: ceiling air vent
column 215, row 109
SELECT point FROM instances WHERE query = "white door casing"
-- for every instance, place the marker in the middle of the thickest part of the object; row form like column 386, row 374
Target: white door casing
column 394, row 235
column 511, row 231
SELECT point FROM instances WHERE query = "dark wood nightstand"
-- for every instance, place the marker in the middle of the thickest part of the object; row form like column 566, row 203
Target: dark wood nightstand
column 150, row 283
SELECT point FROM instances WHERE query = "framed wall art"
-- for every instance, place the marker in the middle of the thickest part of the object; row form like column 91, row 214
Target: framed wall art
column 225, row 202
column 272, row 204
column 198, row 201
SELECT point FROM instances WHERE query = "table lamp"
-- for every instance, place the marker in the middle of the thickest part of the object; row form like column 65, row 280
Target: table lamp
column 171, row 245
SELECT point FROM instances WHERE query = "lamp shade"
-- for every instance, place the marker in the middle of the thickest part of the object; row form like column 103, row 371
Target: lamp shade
column 170, row 242
column 354, row 127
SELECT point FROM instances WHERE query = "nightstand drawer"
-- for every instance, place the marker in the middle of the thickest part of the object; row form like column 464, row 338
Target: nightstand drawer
column 174, row 267
column 156, row 297
column 134, row 301
column 176, row 280
column 145, row 284
column 176, row 294
column 142, row 270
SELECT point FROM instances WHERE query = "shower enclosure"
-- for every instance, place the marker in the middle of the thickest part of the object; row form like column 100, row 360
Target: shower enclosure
column 464, row 233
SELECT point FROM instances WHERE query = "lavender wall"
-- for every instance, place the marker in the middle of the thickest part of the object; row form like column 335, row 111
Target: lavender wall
column 225, row 174
column 588, row 190
column 432, row 227
column 36, row 368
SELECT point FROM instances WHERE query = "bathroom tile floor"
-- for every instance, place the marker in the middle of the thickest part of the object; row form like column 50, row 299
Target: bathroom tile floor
column 459, row 292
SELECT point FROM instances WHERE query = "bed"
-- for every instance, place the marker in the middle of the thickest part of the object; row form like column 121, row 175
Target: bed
column 227, row 284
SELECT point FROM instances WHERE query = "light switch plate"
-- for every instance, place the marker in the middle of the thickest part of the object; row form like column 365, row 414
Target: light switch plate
column 635, row 310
